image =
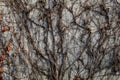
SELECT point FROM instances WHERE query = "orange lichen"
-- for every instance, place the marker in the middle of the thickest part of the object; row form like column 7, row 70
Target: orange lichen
column 3, row 58
column 8, row 28
column 4, row 29
column 9, row 47
column 1, row 70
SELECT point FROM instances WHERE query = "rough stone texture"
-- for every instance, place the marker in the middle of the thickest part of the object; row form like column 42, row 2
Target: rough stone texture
column 24, row 62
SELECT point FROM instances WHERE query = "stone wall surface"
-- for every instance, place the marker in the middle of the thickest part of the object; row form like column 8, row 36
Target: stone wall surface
column 60, row 39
